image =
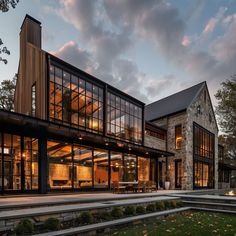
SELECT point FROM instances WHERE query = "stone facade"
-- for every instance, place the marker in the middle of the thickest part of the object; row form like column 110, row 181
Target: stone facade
column 186, row 119
column 154, row 142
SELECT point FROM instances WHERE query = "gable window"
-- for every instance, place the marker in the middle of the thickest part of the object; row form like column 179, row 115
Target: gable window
column 178, row 136
column 210, row 118
column 198, row 110
column 33, row 99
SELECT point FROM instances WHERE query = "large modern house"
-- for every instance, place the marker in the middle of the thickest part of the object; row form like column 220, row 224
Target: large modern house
column 73, row 132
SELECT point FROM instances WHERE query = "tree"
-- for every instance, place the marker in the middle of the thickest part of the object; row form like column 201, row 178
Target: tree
column 226, row 111
column 4, row 7
column 7, row 91
column 6, row 4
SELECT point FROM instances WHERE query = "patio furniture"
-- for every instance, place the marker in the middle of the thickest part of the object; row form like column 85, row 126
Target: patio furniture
column 154, row 186
column 140, row 186
column 129, row 185
column 117, row 187
column 148, row 186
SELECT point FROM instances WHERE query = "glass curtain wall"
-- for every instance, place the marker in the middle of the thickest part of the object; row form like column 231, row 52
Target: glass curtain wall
column 75, row 101
column 203, row 158
column 124, row 119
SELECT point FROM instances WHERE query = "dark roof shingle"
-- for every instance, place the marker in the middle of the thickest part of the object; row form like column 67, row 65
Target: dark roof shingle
column 174, row 103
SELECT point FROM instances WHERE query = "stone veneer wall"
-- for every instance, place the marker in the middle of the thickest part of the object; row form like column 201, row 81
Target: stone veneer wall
column 154, row 142
column 170, row 123
column 204, row 121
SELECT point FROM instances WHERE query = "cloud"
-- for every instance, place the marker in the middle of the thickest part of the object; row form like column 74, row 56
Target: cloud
column 212, row 23
column 109, row 29
column 74, row 55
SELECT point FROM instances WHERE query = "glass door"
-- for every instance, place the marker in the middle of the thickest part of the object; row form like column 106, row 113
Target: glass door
column 178, row 176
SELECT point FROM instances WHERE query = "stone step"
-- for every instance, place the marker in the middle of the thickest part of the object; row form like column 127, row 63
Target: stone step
column 66, row 199
column 211, row 205
column 109, row 224
column 60, row 209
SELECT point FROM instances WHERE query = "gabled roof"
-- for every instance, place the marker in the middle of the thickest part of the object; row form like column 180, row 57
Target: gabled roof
column 172, row 104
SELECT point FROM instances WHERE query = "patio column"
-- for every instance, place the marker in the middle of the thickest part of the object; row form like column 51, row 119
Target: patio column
column 43, row 165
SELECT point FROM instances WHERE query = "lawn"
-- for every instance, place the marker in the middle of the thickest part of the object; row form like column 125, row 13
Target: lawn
column 188, row 223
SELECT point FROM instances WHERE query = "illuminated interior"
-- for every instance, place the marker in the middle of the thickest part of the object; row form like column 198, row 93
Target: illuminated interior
column 178, row 137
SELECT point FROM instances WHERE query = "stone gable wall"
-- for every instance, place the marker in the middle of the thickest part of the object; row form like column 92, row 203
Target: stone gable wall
column 203, row 120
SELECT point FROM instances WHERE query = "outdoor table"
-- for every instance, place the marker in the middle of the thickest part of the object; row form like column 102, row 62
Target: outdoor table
column 129, row 184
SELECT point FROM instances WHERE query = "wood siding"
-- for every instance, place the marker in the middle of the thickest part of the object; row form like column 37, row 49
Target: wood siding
column 32, row 70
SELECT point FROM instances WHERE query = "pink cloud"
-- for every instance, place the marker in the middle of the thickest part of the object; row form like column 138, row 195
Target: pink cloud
column 185, row 41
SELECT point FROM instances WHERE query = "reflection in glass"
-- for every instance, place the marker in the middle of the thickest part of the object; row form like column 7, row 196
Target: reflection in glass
column 100, row 168
column 124, row 119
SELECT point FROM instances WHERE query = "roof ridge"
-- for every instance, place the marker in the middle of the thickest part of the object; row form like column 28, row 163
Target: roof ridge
column 176, row 93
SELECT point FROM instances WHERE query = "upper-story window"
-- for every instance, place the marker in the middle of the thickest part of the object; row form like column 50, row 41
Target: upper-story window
column 178, row 136
column 33, row 99
column 75, row 101
column 198, row 110
column 204, row 143
column 124, row 119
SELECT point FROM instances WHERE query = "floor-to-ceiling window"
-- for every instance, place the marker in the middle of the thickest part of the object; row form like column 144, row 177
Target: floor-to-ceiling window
column 75, row 101
column 100, row 168
column 30, row 156
column 143, row 169
column 203, row 157
column 124, row 119
column 83, row 164
column 117, row 168
column 59, row 165
column 18, row 163
column 130, row 168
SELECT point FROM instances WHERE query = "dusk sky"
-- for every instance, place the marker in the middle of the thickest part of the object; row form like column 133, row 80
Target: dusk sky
column 147, row 48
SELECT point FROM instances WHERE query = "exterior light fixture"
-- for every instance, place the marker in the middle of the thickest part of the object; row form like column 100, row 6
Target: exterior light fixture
column 147, row 153
column 80, row 137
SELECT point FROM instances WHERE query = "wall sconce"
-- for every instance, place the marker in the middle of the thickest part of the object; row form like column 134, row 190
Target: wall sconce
column 168, row 167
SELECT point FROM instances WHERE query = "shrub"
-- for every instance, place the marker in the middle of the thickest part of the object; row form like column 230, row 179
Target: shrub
column 168, row 204
column 129, row 210
column 179, row 203
column 151, row 207
column 86, row 217
column 160, row 205
column 103, row 215
column 116, row 212
column 25, row 226
column 52, row 224
column 140, row 209
column 173, row 204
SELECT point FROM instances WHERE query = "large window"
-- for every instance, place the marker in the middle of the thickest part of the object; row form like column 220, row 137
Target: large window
column 178, row 136
column 18, row 163
column 75, row 101
column 100, row 168
column 130, row 173
column 203, row 158
column 124, row 119
column 117, row 168
column 83, row 165
column 60, row 165
column 143, row 169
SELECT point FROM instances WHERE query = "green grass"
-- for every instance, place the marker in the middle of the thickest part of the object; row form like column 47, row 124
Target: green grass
column 188, row 223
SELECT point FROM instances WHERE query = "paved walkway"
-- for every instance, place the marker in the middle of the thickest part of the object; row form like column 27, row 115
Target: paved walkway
column 60, row 198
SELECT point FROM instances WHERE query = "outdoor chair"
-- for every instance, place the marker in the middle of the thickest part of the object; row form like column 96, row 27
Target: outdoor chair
column 117, row 187
column 154, row 186
column 149, row 186
column 140, row 186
